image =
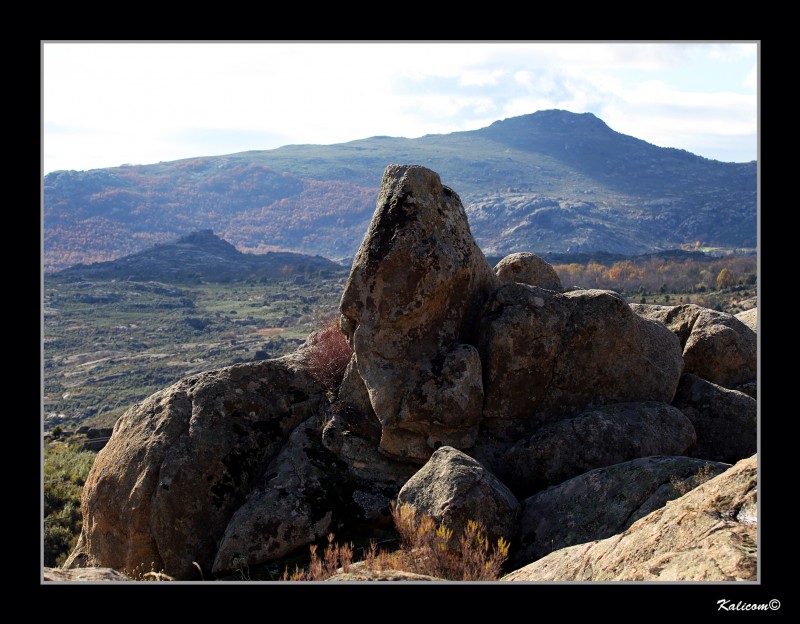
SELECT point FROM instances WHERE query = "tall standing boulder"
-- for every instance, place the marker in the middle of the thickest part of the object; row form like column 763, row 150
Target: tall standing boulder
column 408, row 312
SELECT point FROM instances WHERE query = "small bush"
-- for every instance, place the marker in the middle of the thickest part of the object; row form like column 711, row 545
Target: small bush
column 329, row 355
column 426, row 548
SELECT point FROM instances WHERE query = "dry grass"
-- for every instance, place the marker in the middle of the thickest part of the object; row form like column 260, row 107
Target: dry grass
column 426, row 548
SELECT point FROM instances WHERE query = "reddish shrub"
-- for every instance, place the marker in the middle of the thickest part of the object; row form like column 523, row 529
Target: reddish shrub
column 329, row 355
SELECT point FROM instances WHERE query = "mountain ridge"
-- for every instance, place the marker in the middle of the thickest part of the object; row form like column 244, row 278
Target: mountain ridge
column 202, row 255
column 547, row 182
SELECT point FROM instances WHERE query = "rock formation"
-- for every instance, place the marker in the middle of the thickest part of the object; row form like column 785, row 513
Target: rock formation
column 452, row 488
column 408, row 311
column 568, row 513
column 709, row 534
column 467, row 389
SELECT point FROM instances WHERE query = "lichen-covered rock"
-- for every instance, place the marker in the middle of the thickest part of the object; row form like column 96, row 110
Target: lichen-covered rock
column 179, row 463
column 726, row 421
column 549, row 356
column 528, row 268
column 408, row 312
column 608, row 435
column 307, row 492
column 709, row 534
column 716, row 346
column 453, row 488
column 603, row 502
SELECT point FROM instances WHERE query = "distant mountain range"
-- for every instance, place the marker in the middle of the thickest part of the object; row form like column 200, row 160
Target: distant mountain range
column 549, row 182
column 204, row 256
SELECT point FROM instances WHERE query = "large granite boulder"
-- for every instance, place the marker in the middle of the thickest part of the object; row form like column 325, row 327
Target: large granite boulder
column 408, row 312
column 717, row 346
column 180, row 463
column 528, row 268
column 605, row 436
column 307, row 492
column 726, row 421
column 453, row 488
column 603, row 502
column 548, row 356
column 709, row 534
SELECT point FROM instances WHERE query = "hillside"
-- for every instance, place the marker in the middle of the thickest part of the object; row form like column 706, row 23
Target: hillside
column 203, row 255
column 548, row 182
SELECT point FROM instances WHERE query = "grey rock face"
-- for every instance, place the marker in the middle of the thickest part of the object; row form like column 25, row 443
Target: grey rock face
column 307, row 492
column 608, row 435
column 709, row 534
column 453, row 488
column 548, row 356
column 716, row 346
column 528, row 268
column 726, row 421
column 181, row 462
column 603, row 502
column 408, row 312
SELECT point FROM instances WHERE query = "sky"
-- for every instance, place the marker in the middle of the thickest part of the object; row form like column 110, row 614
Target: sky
column 105, row 104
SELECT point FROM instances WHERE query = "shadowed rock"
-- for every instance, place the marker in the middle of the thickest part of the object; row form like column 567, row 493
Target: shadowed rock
column 608, row 435
column 408, row 312
column 181, row 462
column 709, row 534
column 603, row 502
column 726, row 421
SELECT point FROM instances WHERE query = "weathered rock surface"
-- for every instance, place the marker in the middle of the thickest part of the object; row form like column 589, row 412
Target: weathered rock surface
column 709, row 534
column 726, row 421
column 749, row 318
column 528, row 268
column 548, row 356
column 85, row 575
column 609, row 435
column 408, row 312
column 360, row 575
column 308, row 493
column 603, row 502
column 453, row 488
column 716, row 346
column 181, row 462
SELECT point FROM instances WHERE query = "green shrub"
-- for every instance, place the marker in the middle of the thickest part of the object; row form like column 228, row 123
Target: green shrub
column 65, row 470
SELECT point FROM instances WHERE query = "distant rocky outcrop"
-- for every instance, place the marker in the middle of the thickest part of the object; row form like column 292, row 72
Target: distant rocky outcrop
column 201, row 255
column 466, row 390
column 709, row 534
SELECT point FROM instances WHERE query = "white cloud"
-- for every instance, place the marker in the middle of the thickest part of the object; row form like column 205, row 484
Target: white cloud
column 146, row 102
